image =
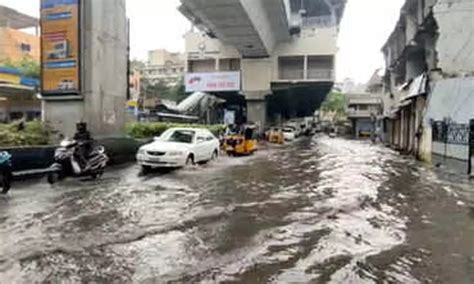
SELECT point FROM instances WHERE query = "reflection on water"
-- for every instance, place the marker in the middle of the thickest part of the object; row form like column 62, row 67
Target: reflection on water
column 320, row 210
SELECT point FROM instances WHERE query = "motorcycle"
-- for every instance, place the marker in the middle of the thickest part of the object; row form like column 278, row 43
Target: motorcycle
column 5, row 171
column 66, row 162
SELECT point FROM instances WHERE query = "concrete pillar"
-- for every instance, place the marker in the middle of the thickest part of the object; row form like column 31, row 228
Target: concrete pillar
column 257, row 113
column 305, row 68
column 217, row 66
column 103, row 73
column 424, row 153
column 471, row 148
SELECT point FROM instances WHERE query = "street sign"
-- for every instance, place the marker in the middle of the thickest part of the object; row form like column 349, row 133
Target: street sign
column 60, row 47
column 213, row 82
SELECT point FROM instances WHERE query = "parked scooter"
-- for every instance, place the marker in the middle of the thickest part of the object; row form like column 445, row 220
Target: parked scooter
column 67, row 162
column 5, row 171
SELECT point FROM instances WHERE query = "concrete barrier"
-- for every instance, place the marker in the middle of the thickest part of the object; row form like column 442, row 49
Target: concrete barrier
column 119, row 149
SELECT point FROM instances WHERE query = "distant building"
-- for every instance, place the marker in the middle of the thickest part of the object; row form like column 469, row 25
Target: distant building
column 14, row 43
column 17, row 92
column 364, row 111
column 135, row 84
column 164, row 66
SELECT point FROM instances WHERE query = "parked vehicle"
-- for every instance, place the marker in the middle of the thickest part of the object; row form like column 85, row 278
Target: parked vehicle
column 179, row 147
column 275, row 135
column 241, row 144
column 289, row 133
column 66, row 162
column 5, row 171
column 296, row 127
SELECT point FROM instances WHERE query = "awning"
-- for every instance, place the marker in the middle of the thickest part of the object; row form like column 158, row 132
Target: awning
column 418, row 87
column 405, row 85
column 404, row 103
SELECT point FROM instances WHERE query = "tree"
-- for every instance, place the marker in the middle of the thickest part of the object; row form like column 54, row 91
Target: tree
column 335, row 102
column 160, row 90
column 27, row 66
column 137, row 65
column 178, row 92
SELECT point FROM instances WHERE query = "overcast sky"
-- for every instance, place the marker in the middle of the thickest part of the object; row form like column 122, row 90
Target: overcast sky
column 365, row 27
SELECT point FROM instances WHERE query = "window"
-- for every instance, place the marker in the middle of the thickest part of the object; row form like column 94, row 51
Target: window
column 25, row 47
column 180, row 136
column 363, row 107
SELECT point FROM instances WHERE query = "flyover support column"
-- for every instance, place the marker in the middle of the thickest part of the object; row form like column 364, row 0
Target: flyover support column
column 257, row 109
column 99, row 95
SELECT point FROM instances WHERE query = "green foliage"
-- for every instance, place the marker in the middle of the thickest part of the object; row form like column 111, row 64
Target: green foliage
column 137, row 64
column 335, row 102
column 149, row 130
column 33, row 134
column 27, row 66
column 161, row 91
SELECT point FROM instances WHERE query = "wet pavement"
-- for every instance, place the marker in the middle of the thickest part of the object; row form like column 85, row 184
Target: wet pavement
column 318, row 211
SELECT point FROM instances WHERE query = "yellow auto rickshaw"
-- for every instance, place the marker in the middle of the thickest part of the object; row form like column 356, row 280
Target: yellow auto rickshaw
column 275, row 136
column 243, row 143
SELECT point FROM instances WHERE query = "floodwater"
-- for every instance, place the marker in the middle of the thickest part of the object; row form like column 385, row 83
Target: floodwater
column 318, row 211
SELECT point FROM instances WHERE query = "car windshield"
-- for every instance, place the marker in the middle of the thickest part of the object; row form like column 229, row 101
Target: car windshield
column 287, row 130
column 180, row 136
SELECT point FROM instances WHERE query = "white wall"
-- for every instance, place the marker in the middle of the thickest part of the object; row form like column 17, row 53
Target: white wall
column 456, row 36
column 318, row 41
column 256, row 74
column 213, row 48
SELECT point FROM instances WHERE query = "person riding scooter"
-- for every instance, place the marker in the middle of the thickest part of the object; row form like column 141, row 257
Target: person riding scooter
column 85, row 143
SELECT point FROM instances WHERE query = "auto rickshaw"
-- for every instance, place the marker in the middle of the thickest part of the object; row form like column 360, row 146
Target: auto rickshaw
column 275, row 135
column 241, row 144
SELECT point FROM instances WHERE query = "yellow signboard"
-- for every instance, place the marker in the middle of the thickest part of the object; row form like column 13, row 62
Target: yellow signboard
column 60, row 47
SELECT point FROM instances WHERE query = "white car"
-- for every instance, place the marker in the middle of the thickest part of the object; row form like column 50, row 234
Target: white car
column 178, row 147
column 289, row 133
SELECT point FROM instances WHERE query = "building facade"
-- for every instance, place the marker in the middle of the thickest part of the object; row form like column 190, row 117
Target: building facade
column 429, row 79
column 18, row 92
column 16, row 44
column 164, row 66
column 364, row 111
column 277, row 57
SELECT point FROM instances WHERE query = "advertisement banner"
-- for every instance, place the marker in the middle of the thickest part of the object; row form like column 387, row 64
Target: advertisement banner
column 60, row 47
column 213, row 82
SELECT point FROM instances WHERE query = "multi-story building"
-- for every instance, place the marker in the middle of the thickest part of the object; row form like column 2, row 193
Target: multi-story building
column 14, row 43
column 17, row 91
column 363, row 111
column 275, row 59
column 429, row 78
column 164, row 66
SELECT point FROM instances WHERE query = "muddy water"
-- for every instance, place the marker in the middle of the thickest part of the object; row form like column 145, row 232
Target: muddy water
column 319, row 211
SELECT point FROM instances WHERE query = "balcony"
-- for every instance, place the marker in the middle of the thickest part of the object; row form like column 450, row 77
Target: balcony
column 320, row 75
column 354, row 113
column 319, row 22
column 309, row 68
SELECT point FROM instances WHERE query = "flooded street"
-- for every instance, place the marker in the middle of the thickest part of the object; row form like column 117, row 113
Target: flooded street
column 319, row 211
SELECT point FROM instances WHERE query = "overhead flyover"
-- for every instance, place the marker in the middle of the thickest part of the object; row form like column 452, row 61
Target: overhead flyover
column 253, row 27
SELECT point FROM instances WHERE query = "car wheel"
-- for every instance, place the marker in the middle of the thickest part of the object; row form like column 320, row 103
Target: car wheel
column 146, row 169
column 5, row 181
column 190, row 161
column 215, row 155
column 53, row 177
